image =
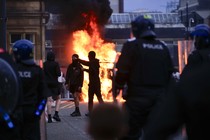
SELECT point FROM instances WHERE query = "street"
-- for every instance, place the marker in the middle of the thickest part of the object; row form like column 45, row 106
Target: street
column 75, row 128
column 70, row 128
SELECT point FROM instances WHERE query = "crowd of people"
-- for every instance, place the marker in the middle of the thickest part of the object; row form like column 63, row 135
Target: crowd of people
column 156, row 104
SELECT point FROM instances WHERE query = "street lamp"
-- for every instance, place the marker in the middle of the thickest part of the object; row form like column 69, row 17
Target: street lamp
column 191, row 20
column 187, row 21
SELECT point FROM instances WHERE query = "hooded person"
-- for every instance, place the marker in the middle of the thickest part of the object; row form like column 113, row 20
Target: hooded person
column 94, row 79
column 74, row 82
column 52, row 71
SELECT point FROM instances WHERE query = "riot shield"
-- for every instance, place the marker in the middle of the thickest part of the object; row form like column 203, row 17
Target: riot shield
column 9, row 85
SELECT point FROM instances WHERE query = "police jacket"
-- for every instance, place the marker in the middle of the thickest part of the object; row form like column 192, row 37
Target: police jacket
column 33, row 85
column 188, row 105
column 144, row 64
column 52, row 72
column 74, row 75
column 93, row 70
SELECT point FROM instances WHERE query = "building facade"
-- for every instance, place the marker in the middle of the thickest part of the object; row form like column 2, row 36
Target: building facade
column 26, row 20
column 193, row 12
column 168, row 29
column 117, row 6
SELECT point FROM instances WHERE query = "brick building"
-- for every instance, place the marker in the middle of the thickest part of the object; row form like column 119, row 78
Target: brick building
column 26, row 20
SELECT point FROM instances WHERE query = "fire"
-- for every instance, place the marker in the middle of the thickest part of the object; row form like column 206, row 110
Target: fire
column 91, row 40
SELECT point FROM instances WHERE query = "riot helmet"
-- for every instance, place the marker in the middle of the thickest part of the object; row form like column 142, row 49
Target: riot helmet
column 201, row 33
column 143, row 26
column 23, row 51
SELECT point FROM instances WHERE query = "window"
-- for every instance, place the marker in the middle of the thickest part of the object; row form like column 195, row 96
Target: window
column 29, row 37
column 15, row 37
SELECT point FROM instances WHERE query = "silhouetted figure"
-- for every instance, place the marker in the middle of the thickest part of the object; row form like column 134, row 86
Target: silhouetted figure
column 94, row 79
column 145, row 67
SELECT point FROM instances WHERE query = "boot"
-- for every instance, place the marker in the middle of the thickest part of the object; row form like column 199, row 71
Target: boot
column 75, row 114
column 56, row 117
column 49, row 119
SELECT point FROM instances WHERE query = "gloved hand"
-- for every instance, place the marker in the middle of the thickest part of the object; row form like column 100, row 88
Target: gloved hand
column 176, row 76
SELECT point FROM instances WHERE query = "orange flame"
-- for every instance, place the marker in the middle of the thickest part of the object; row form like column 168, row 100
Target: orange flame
column 90, row 40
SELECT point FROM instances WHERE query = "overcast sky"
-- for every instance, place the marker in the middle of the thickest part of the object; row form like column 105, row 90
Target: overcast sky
column 158, row 5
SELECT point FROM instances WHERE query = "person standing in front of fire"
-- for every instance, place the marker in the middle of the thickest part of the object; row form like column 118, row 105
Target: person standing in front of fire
column 145, row 66
column 94, row 79
column 74, row 82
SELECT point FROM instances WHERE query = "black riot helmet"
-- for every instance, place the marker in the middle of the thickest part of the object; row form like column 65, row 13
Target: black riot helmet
column 201, row 33
column 143, row 26
column 23, row 51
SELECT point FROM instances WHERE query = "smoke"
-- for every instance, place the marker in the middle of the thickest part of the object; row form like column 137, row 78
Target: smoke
column 76, row 15
column 73, row 11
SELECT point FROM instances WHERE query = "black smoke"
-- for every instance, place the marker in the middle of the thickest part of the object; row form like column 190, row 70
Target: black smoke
column 73, row 11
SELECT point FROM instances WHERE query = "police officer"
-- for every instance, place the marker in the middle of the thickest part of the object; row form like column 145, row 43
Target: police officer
column 201, row 43
column 145, row 66
column 189, row 103
column 33, row 88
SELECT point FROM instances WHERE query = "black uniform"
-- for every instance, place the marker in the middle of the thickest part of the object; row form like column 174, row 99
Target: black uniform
column 188, row 105
column 52, row 72
column 94, row 81
column 145, row 66
column 33, row 93
column 74, row 77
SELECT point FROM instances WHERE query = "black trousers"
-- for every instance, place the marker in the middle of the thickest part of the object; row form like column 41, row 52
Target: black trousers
column 94, row 89
column 31, row 124
column 138, row 109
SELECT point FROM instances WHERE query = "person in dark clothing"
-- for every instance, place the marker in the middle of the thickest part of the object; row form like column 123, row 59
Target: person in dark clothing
column 33, row 87
column 52, row 72
column 189, row 104
column 94, row 79
column 74, row 81
column 145, row 66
